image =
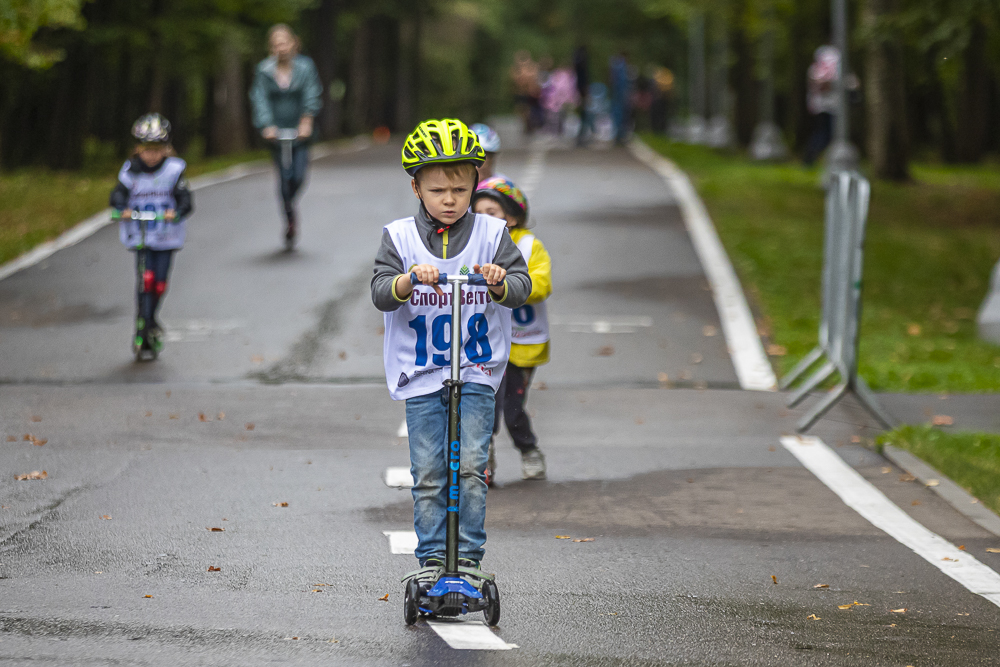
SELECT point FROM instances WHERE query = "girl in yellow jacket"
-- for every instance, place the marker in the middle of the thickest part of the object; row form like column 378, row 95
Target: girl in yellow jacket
column 499, row 197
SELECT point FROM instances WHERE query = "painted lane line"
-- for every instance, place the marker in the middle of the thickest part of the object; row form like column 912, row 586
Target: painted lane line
column 469, row 635
column 98, row 221
column 602, row 325
column 402, row 542
column 861, row 496
column 398, row 478
column 402, row 431
column 752, row 367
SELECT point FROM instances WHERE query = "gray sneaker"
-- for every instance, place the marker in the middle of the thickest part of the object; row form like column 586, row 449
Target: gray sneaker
column 533, row 464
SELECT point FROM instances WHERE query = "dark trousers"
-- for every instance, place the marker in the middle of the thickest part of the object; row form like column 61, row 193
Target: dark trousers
column 152, row 282
column 820, row 138
column 511, row 397
column 292, row 178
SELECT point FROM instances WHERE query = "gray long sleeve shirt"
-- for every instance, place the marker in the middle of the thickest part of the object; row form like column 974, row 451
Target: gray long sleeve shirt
column 388, row 263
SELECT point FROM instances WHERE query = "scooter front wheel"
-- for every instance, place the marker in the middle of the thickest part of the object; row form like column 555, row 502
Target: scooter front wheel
column 411, row 599
column 492, row 595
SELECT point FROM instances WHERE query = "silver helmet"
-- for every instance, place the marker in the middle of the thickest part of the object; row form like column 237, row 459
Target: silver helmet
column 152, row 128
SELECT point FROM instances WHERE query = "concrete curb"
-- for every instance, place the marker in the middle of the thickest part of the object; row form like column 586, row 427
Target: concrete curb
column 94, row 223
column 966, row 504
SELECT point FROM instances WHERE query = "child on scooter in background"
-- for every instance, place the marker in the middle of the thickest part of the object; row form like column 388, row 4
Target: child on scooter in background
column 490, row 141
column 500, row 198
column 152, row 180
column 441, row 156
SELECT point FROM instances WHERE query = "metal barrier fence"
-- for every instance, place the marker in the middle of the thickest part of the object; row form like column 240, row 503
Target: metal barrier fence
column 847, row 199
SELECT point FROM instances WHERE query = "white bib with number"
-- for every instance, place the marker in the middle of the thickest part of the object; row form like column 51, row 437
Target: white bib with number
column 417, row 346
column 153, row 192
column 530, row 324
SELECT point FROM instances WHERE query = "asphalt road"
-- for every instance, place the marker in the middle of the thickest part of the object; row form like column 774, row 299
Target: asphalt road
column 271, row 391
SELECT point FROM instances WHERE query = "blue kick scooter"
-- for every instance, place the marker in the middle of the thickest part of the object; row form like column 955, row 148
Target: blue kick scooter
column 453, row 590
column 145, row 346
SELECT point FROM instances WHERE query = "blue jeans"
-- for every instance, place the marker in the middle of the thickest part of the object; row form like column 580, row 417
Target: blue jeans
column 292, row 178
column 427, row 423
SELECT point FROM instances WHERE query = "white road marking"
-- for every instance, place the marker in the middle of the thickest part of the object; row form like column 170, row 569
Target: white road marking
column 96, row 222
column 401, row 541
column 861, row 496
column 752, row 367
column 469, row 634
column 534, row 169
column 602, row 325
column 398, row 478
column 192, row 331
column 402, row 431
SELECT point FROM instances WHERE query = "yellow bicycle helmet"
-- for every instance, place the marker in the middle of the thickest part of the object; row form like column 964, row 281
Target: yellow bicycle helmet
column 446, row 141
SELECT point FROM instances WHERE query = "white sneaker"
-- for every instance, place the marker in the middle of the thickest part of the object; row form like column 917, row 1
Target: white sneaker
column 533, row 464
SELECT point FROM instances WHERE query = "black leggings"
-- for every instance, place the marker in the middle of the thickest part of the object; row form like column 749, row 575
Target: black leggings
column 511, row 397
column 152, row 285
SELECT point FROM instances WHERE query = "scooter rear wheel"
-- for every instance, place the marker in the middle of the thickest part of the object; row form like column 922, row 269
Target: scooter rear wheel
column 492, row 595
column 410, row 600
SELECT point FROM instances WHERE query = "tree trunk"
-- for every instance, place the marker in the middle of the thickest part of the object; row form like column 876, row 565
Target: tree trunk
column 326, row 64
column 229, row 131
column 887, row 141
column 405, row 68
column 360, row 78
column 743, row 82
column 972, row 128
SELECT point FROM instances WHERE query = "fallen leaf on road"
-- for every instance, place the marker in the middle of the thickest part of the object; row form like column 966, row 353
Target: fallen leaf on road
column 168, row 393
column 149, row 413
column 915, row 503
column 901, row 610
column 855, row 439
column 342, row 355
column 772, row 448
column 563, row 537
column 942, row 420
column 11, row 438
column 992, row 550
column 216, row 530
column 950, row 560
column 333, row 641
column 257, row 359
column 776, row 350
column 821, row 586
column 34, row 474
column 708, row 330
column 541, row 386
column 906, row 478
column 147, row 596
column 36, row 418
column 384, row 598
column 886, row 470
column 696, row 358
column 221, row 416
column 584, row 539
column 280, row 504
column 640, row 421
column 663, row 378
column 606, row 351
column 933, row 482
column 961, row 547
column 28, row 437
column 203, row 418
column 317, row 590
column 814, row 617
column 39, row 442
column 106, row 517
column 853, row 604
column 684, row 375
column 774, row 579
column 250, row 426
column 212, row 568
column 174, row 416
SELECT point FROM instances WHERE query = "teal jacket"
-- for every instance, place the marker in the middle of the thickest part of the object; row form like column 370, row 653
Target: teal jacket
column 283, row 108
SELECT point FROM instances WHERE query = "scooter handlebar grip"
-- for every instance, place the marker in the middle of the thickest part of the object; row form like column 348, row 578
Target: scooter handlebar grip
column 442, row 279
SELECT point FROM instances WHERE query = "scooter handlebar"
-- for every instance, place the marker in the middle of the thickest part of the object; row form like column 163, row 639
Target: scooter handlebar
column 444, row 279
column 147, row 216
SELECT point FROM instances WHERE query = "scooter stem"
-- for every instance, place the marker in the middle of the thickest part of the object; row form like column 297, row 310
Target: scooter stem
column 454, row 436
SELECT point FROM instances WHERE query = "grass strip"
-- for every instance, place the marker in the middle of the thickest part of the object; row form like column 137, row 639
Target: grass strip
column 931, row 246
column 37, row 205
column 971, row 460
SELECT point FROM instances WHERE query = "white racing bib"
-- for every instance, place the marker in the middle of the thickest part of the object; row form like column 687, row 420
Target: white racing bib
column 530, row 324
column 417, row 346
column 153, row 192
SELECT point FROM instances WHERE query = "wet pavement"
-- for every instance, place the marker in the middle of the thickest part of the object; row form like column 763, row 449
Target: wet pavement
column 709, row 538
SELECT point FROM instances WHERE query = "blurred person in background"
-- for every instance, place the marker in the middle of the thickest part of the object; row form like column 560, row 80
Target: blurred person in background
column 662, row 90
column 490, row 141
column 286, row 95
column 821, row 99
column 621, row 97
column 581, row 67
column 558, row 96
column 525, row 77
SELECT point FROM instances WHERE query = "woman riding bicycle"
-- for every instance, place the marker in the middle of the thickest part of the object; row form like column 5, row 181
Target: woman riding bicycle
column 287, row 95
